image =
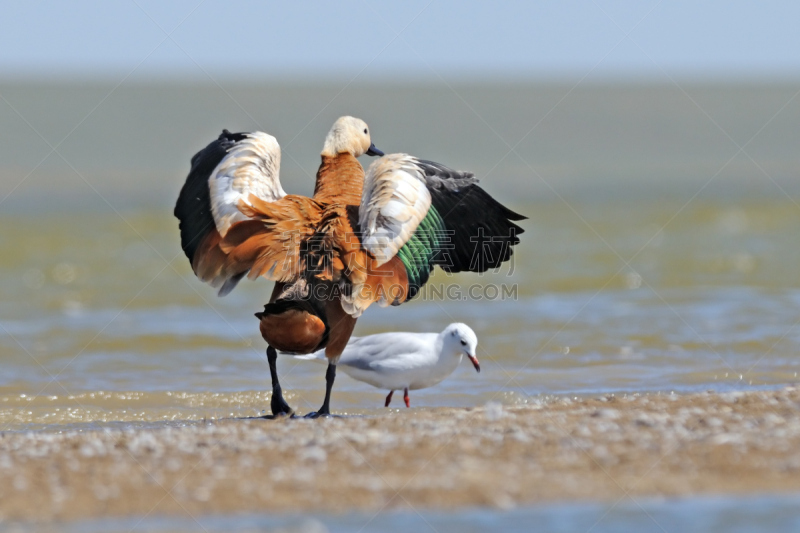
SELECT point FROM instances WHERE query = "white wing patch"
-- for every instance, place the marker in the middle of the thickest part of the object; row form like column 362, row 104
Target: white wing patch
column 394, row 202
column 252, row 166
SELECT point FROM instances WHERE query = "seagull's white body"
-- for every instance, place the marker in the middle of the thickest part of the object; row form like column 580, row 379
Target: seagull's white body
column 409, row 361
column 397, row 360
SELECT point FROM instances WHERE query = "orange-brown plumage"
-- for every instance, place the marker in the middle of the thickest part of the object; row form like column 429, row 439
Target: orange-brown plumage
column 340, row 180
column 293, row 331
column 268, row 244
column 272, row 244
column 341, row 327
column 209, row 260
column 294, row 324
column 387, row 282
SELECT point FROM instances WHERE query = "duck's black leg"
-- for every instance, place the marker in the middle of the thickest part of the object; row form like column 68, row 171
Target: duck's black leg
column 389, row 398
column 325, row 410
column 277, row 403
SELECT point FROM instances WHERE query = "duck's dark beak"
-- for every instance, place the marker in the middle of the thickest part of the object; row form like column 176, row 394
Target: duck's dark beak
column 373, row 150
column 475, row 362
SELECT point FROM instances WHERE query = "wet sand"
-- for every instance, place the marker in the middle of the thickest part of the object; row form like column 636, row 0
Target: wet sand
column 594, row 449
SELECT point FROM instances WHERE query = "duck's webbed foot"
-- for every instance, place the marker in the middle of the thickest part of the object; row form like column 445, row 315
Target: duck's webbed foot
column 278, row 405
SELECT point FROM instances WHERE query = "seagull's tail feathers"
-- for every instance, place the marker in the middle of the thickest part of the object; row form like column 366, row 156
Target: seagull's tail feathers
column 316, row 356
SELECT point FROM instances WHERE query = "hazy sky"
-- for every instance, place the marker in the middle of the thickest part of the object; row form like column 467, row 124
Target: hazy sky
column 400, row 40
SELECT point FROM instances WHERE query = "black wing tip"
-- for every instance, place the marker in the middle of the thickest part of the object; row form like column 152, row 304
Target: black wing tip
column 508, row 214
column 514, row 230
column 516, row 217
column 228, row 134
column 471, row 212
column 456, row 179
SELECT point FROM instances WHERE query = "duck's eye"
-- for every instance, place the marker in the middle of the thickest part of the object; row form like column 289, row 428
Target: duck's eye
column 365, row 131
column 463, row 343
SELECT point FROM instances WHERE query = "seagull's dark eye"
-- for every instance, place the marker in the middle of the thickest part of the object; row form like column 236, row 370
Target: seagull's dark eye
column 463, row 343
column 365, row 131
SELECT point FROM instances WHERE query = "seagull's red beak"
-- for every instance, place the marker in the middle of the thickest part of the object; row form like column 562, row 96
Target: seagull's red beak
column 475, row 362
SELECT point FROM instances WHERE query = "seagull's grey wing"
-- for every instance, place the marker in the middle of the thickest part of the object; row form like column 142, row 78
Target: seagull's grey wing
column 387, row 350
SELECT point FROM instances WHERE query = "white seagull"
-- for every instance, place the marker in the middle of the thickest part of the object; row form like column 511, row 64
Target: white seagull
column 407, row 361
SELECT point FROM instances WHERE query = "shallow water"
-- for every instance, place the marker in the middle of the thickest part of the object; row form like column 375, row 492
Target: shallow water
column 706, row 514
column 103, row 320
column 657, row 257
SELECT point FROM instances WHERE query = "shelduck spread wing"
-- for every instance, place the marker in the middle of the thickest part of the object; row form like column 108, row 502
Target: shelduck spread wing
column 233, row 189
column 417, row 214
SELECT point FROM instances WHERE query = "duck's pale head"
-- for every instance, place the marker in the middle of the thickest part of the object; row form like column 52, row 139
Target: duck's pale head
column 349, row 135
column 459, row 339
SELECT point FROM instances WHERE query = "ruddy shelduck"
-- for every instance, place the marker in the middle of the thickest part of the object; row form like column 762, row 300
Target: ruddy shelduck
column 358, row 240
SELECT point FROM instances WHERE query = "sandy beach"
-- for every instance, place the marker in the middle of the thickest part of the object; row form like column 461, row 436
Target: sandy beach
column 597, row 449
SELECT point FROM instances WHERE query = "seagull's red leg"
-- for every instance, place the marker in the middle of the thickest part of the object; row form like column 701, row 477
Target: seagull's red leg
column 406, row 398
column 389, row 398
